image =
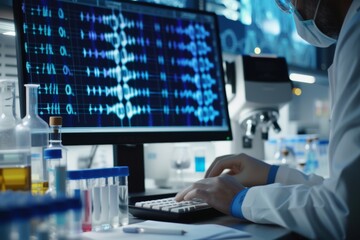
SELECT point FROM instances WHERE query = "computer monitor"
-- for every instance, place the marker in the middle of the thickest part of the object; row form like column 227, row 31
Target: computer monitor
column 123, row 73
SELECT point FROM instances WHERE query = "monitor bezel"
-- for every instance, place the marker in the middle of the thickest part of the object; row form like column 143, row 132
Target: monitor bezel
column 126, row 137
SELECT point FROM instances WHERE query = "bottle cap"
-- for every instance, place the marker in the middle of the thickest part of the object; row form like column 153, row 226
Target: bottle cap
column 52, row 153
column 285, row 152
column 55, row 121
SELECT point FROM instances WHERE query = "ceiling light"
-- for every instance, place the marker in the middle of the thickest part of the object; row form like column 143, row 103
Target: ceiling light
column 296, row 77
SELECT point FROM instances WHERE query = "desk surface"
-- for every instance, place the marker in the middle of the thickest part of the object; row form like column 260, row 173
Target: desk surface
column 258, row 231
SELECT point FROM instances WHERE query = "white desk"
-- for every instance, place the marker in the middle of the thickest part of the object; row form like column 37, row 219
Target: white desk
column 258, row 231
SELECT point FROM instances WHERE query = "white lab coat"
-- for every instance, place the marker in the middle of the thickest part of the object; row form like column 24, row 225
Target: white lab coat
column 309, row 205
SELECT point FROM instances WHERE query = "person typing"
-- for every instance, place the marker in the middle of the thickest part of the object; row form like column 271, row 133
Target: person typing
column 310, row 205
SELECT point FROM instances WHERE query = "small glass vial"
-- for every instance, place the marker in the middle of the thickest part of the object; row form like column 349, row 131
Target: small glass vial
column 55, row 141
column 311, row 153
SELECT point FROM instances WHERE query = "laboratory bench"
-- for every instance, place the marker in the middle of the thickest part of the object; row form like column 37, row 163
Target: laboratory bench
column 257, row 231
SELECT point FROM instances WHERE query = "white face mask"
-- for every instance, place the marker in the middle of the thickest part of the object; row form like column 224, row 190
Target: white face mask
column 308, row 31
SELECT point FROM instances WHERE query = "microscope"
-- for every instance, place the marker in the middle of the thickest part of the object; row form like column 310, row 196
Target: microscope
column 261, row 87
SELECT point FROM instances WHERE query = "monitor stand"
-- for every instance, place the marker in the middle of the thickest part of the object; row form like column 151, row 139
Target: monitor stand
column 131, row 155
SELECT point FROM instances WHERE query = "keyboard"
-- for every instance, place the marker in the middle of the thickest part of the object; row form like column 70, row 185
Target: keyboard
column 167, row 209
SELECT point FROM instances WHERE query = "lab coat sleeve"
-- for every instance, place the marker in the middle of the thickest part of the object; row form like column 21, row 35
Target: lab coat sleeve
column 312, row 211
column 290, row 176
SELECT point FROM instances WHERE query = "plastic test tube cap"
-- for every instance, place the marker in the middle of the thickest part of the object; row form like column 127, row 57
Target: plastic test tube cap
column 90, row 173
column 121, row 171
column 75, row 175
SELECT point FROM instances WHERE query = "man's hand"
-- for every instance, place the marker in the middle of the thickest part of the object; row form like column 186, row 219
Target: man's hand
column 218, row 192
column 247, row 170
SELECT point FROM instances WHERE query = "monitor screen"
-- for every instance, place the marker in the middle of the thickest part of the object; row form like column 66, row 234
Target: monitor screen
column 123, row 72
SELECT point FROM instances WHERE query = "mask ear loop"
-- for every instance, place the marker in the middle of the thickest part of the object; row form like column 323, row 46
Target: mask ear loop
column 294, row 7
column 317, row 8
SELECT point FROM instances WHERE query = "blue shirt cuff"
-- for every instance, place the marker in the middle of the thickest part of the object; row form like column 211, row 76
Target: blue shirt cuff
column 237, row 203
column 272, row 174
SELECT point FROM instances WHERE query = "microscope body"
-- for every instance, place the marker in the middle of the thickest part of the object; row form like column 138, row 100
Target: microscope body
column 262, row 87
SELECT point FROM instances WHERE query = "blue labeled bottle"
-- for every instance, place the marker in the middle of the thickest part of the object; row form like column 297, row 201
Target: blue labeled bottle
column 311, row 153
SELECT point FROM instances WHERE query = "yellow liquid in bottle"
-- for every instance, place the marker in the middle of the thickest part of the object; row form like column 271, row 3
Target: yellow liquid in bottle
column 15, row 178
column 39, row 188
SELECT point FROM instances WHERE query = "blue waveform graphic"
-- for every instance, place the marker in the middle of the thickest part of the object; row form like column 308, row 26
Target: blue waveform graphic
column 109, row 67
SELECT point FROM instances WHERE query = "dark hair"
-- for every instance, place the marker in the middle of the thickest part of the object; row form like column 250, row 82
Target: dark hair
column 327, row 20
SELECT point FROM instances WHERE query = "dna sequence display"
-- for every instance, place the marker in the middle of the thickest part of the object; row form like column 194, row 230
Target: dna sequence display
column 106, row 66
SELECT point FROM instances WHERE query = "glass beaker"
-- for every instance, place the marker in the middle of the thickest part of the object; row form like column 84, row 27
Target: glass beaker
column 181, row 159
column 39, row 140
column 15, row 170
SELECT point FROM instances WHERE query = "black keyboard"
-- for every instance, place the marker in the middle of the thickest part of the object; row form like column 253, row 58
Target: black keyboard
column 165, row 208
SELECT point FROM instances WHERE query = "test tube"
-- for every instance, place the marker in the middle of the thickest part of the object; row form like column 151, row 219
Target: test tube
column 86, row 184
column 74, row 190
column 119, row 206
column 79, row 185
column 58, row 219
column 100, row 201
column 74, row 218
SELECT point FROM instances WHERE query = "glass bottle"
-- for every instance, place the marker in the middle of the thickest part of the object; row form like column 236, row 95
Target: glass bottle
column 53, row 157
column 55, row 123
column 39, row 140
column 311, row 153
column 15, row 142
column 288, row 159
